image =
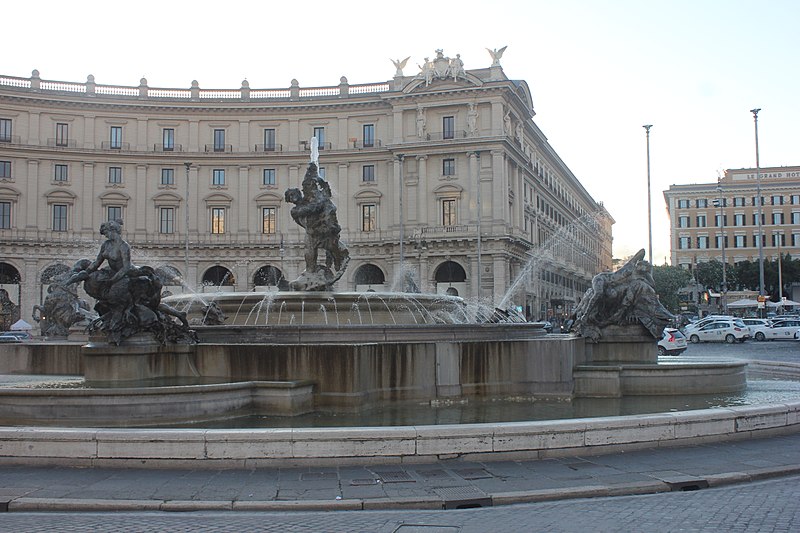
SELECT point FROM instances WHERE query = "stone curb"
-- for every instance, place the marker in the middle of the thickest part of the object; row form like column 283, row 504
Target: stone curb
column 26, row 504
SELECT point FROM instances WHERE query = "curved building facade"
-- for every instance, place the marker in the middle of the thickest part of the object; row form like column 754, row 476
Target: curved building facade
column 442, row 180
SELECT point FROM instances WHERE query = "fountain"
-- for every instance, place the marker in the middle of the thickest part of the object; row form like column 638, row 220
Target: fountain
column 311, row 349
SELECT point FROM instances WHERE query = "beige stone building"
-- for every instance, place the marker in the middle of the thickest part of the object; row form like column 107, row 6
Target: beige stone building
column 441, row 177
column 700, row 214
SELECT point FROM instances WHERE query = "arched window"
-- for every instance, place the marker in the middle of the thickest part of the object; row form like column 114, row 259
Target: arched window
column 9, row 274
column 51, row 272
column 450, row 272
column 369, row 274
column 267, row 275
column 218, row 276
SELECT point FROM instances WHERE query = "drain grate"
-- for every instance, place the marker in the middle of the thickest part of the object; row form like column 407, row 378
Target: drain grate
column 434, row 474
column 472, row 473
column 688, row 485
column 463, row 497
column 395, row 476
column 363, row 482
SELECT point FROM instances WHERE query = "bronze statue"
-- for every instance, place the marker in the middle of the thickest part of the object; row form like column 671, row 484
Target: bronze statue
column 621, row 298
column 62, row 308
column 128, row 297
column 315, row 212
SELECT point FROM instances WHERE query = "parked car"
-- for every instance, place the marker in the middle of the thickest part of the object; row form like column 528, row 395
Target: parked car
column 786, row 329
column 730, row 331
column 703, row 321
column 672, row 342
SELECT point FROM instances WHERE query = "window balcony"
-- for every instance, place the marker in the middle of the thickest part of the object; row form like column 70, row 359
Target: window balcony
column 10, row 139
column 168, row 148
column 305, row 146
column 108, row 145
column 446, row 136
column 268, row 148
column 360, row 145
column 62, row 143
column 222, row 148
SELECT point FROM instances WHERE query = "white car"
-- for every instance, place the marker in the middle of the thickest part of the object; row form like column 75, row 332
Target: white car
column 694, row 326
column 672, row 342
column 779, row 329
column 730, row 331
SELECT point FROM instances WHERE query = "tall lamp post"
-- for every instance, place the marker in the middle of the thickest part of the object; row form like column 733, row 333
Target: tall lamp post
column 186, row 227
column 720, row 201
column 649, row 211
column 760, row 204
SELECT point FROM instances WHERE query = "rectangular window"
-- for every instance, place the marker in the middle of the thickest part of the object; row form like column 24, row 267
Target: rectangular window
column 718, row 241
column 448, row 127
column 168, row 139
column 219, row 140
column 269, row 220
column 684, row 243
column 683, row 221
column 218, row 220
column 683, row 204
column 5, row 215
column 166, row 217
column 796, row 199
column 62, row 134
column 167, row 176
column 701, row 202
column 448, row 167
column 5, row 169
column 116, row 137
column 115, row 174
column 269, row 176
column 60, row 173
column 720, row 220
column 319, row 133
column 777, row 218
column 701, row 221
column 738, row 219
column 114, row 212
column 755, row 219
column 368, row 173
column 738, row 201
column 777, row 200
column 218, row 176
column 448, row 212
column 269, row 139
column 369, row 135
column 5, row 130
column 702, row 242
column 796, row 217
column 368, row 217
column 755, row 200
column 778, row 239
column 795, row 239
column 739, row 241
column 59, row 217
column 322, row 172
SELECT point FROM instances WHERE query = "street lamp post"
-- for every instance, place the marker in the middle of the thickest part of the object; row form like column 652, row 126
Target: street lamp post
column 649, row 210
column 186, row 227
column 760, row 204
column 721, row 202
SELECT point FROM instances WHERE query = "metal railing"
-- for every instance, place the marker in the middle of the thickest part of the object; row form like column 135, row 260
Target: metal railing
column 440, row 136
column 168, row 148
column 361, row 144
column 268, row 148
column 219, row 148
column 108, row 145
column 62, row 143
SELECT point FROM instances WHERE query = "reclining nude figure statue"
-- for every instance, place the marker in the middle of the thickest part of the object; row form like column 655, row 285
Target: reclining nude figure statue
column 622, row 298
column 128, row 297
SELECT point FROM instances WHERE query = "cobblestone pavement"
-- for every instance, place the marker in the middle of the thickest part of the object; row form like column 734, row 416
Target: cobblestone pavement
column 765, row 506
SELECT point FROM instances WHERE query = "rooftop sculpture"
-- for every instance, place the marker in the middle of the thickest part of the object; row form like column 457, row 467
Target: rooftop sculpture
column 622, row 298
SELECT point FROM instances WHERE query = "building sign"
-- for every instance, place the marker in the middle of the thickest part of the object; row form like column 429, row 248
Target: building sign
column 783, row 174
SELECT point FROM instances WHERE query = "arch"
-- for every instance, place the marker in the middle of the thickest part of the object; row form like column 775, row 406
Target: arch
column 9, row 274
column 450, row 272
column 167, row 198
column 268, row 198
column 218, row 198
column 369, row 274
column 60, row 195
column 448, row 190
column 524, row 93
column 267, row 275
column 419, row 83
column 51, row 272
column 9, row 193
column 218, row 276
column 115, row 197
column 368, row 195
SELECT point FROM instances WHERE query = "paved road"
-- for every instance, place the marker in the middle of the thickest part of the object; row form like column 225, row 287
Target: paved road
column 755, row 507
column 781, row 351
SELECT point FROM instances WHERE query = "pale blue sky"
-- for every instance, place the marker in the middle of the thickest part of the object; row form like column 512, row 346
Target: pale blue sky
column 598, row 71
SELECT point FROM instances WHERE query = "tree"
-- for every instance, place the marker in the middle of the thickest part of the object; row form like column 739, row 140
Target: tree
column 709, row 275
column 669, row 280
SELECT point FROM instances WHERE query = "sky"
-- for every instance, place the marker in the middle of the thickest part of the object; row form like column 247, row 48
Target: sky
column 598, row 70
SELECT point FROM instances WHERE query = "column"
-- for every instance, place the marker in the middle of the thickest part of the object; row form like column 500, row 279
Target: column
column 32, row 197
column 243, row 194
column 500, row 278
column 141, row 134
column 139, row 208
column 500, row 187
column 294, row 135
column 397, row 193
column 33, row 129
column 497, row 118
column 87, row 224
column 88, row 132
column 397, row 126
column 474, row 186
column 196, row 206
column 194, row 137
column 244, row 136
column 344, row 204
column 343, row 138
column 422, row 190
column 29, row 289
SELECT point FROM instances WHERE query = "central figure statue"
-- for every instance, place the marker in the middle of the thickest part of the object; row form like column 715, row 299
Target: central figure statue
column 315, row 212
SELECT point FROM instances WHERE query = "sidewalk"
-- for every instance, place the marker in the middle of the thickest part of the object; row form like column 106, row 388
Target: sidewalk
column 448, row 484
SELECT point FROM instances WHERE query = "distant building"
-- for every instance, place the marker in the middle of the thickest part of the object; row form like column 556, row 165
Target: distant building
column 702, row 214
column 426, row 171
